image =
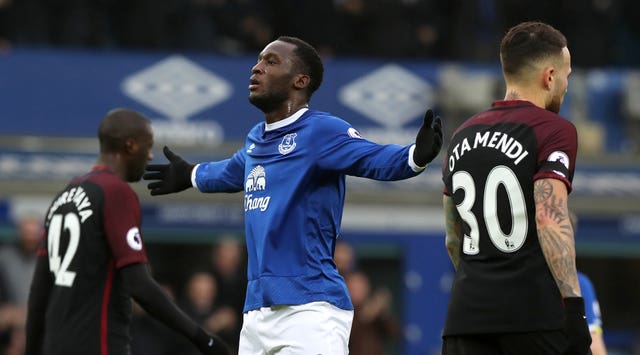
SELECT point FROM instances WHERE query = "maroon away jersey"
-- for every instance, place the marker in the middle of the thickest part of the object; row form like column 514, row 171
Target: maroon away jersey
column 92, row 229
column 503, row 283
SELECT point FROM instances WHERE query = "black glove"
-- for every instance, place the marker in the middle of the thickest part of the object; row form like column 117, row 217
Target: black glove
column 576, row 327
column 428, row 140
column 210, row 344
column 174, row 177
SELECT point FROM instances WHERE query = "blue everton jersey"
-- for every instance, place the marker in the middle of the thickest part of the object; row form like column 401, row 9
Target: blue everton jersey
column 293, row 173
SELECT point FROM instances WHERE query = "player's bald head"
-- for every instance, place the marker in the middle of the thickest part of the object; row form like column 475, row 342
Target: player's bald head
column 118, row 126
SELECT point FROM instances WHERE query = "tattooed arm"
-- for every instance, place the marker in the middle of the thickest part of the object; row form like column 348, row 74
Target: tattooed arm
column 556, row 234
column 453, row 230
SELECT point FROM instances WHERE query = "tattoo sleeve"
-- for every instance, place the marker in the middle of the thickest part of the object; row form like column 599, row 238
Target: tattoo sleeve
column 453, row 230
column 556, row 234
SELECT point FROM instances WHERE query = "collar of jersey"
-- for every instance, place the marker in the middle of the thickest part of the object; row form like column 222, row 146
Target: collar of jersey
column 285, row 122
column 505, row 103
column 100, row 167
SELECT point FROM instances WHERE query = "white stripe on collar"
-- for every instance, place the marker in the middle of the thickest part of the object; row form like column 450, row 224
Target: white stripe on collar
column 287, row 121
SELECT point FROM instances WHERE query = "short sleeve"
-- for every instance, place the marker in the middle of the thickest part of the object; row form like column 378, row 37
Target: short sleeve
column 557, row 152
column 122, row 225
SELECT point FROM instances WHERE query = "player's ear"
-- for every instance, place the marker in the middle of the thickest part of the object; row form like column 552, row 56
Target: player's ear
column 301, row 81
column 131, row 146
column 548, row 77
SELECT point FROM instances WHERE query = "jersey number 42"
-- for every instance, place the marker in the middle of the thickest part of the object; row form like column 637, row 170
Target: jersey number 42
column 58, row 264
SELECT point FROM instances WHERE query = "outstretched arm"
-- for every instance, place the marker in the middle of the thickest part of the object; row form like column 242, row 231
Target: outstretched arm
column 154, row 301
column 172, row 177
column 340, row 148
column 178, row 175
column 453, row 230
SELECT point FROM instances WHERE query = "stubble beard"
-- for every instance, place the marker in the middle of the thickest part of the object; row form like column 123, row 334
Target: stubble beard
column 268, row 103
column 555, row 104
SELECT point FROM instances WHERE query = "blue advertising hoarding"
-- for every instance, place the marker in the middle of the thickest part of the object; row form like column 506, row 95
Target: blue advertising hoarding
column 201, row 97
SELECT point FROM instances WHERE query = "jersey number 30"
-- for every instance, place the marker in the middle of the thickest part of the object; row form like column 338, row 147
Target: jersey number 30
column 57, row 264
column 499, row 176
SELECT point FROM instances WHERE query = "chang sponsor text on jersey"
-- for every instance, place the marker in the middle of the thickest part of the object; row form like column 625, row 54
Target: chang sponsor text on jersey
column 497, row 140
column 256, row 181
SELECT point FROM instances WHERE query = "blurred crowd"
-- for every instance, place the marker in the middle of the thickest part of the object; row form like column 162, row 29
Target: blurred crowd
column 600, row 32
column 212, row 293
column 17, row 263
column 376, row 328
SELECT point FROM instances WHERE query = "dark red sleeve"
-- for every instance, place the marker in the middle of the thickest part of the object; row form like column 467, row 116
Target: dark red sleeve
column 557, row 151
column 122, row 225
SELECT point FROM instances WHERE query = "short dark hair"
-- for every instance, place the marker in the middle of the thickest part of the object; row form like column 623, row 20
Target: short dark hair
column 529, row 42
column 118, row 126
column 308, row 62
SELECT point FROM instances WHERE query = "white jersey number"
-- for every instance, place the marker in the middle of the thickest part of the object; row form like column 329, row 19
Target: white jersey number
column 57, row 264
column 499, row 176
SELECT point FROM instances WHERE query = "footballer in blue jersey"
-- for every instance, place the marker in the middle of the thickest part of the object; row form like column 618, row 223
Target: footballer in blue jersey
column 292, row 170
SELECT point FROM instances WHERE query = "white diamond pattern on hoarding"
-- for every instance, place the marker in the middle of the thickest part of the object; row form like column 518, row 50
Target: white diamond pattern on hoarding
column 177, row 87
column 391, row 95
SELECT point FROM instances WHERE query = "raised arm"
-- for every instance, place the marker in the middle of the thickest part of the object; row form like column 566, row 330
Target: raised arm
column 428, row 139
column 340, row 148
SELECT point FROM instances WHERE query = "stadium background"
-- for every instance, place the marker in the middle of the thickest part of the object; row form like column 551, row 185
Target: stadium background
column 185, row 64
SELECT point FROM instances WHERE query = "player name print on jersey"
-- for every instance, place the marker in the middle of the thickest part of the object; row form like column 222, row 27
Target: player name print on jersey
column 497, row 140
column 79, row 197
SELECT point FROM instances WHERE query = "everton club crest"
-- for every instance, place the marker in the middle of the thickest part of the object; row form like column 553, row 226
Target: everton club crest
column 288, row 144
